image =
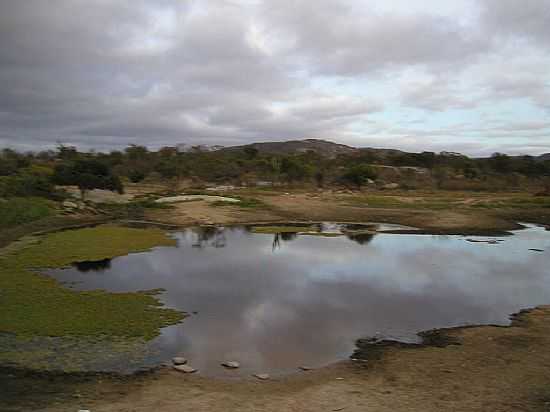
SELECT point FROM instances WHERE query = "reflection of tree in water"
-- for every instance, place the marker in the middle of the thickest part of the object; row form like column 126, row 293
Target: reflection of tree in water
column 210, row 236
column 93, row 266
column 360, row 238
column 285, row 236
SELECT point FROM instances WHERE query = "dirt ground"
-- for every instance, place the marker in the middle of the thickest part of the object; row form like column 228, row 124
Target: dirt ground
column 459, row 217
column 489, row 369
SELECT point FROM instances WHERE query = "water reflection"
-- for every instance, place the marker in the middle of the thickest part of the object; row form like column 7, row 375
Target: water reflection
column 306, row 301
column 362, row 238
column 284, row 236
column 209, row 236
column 93, row 266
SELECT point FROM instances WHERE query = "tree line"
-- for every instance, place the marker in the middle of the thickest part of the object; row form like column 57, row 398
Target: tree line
column 38, row 174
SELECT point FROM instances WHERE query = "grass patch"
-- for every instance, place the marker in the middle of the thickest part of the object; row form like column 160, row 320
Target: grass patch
column 132, row 210
column 515, row 203
column 35, row 305
column 245, row 203
column 17, row 211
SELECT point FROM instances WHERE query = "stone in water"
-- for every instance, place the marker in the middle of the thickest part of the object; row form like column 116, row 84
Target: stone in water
column 184, row 368
column 231, row 364
column 178, row 360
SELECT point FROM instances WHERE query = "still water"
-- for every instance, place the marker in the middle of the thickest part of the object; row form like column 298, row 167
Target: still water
column 277, row 302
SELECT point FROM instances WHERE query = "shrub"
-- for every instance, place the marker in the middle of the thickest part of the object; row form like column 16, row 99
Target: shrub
column 358, row 175
column 26, row 185
column 17, row 211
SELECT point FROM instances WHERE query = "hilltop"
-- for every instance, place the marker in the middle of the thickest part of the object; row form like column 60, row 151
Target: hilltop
column 321, row 147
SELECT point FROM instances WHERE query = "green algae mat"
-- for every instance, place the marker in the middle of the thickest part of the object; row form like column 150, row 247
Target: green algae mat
column 34, row 305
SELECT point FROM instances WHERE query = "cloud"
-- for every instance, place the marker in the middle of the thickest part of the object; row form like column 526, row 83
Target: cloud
column 103, row 74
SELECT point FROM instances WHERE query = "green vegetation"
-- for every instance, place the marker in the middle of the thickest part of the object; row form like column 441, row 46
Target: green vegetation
column 446, row 200
column 516, row 203
column 359, row 175
column 132, row 210
column 16, row 211
column 396, row 202
column 245, row 203
column 34, row 174
column 37, row 305
column 87, row 174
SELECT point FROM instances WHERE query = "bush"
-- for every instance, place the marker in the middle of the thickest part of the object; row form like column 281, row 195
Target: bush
column 87, row 174
column 26, row 185
column 358, row 175
column 17, row 211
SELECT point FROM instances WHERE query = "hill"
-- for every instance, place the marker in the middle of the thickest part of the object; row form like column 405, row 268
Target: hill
column 321, row 147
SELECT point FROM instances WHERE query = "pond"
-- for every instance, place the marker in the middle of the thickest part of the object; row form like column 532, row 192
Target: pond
column 275, row 302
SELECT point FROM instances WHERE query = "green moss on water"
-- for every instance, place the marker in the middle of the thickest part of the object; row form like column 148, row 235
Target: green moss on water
column 32, row 304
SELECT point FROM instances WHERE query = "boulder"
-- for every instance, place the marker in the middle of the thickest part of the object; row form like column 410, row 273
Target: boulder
column 67, row 204
column 178, row 360
column 184, row 368
column 231, row 364
column 391, row 186
column 261, row 376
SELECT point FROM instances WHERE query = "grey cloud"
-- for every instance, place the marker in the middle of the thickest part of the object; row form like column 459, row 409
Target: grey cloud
column 528, row 19
column 103, row 74
column 338, row 40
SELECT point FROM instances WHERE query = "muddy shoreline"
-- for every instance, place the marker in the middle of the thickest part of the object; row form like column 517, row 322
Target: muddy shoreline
column 25, row 389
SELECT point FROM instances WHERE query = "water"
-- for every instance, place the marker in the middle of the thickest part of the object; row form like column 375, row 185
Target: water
column 276, row 302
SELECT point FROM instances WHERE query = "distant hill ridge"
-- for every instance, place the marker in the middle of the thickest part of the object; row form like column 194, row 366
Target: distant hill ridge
column 322, row 147
column 326, row 148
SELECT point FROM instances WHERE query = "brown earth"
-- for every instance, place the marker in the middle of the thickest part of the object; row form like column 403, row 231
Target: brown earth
column 455, row 216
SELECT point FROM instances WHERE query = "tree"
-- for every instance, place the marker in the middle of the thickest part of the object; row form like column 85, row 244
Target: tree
column 251, row 152
column 359, row 175
column 67, row 152
column 294, row 169
column 320, row 178
column 501, row 163
column 11, row 162
column 87, row 174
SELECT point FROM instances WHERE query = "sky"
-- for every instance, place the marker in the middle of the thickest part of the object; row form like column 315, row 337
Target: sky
column 470, row 76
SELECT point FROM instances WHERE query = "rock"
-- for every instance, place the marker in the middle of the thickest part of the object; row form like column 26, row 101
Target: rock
column 488, row 241
column 391, row 186
column 67, row 204
column 261, row 376
column 536, row 250
column 184, row 368
column 305, row 368
column 231, row 364
column 339, row 379
column 178, row 360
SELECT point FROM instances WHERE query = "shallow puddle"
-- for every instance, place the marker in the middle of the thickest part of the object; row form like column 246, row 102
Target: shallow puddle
column 275, row 302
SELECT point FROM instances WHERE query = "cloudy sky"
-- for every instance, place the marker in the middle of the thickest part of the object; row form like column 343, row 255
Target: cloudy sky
column 463, row 75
